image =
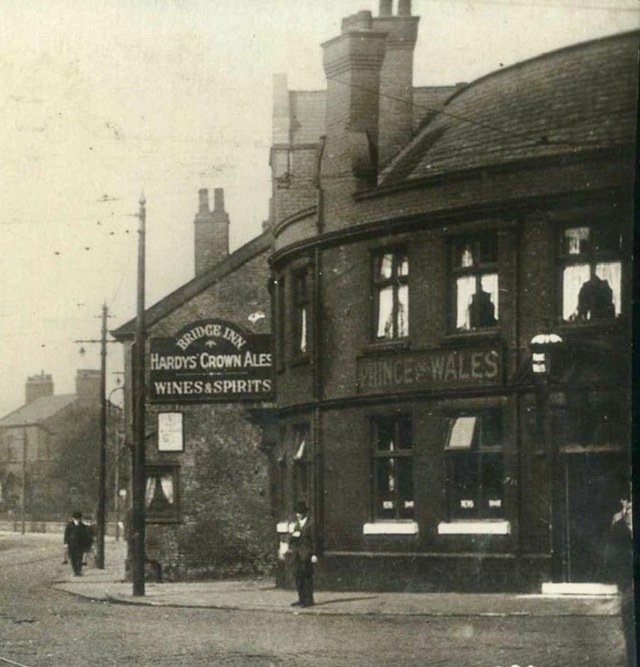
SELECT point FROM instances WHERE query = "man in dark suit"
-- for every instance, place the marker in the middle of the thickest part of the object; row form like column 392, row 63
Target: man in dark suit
column 76, row 542
column 304, row 558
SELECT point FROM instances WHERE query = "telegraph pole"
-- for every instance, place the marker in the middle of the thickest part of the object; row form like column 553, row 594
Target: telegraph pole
column 102, row 472
column 138, row 485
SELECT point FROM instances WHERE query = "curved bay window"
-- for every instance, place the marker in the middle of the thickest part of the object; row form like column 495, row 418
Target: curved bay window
column 391, row 295
column 591, row 272
column 475, row 467
column 475, row 272
column 392, row 450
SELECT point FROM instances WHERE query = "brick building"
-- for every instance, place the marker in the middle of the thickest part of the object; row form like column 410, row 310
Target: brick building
column 209, row 407
column 452, row 279
column 49, row 449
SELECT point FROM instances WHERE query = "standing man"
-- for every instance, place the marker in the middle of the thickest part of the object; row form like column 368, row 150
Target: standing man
column 304, row 558
column 76, row 542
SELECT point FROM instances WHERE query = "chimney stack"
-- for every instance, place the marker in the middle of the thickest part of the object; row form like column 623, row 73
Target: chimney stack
column 88, row 386
column 352, row 63
column 38, row 386
column 396, row 78
column 211, row 231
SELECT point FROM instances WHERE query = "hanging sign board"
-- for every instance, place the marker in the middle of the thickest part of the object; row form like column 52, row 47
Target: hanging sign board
column 210, row 360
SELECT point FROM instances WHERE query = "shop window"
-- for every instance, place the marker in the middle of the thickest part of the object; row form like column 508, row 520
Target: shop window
column 392, row 450
column 391, row 295
column 588, row 417
column 475, row 467
column 300, row 313
column 475, row 282
column 161, row 494
column 591, row 273
column 301, row 462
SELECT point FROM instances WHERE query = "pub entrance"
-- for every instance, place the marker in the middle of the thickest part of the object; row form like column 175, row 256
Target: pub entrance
column 594, row 483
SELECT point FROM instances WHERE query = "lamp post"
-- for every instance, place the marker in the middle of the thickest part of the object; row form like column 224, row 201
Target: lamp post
column 543, row 348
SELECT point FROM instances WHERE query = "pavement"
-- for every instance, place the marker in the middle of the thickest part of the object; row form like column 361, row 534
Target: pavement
column 262, row 595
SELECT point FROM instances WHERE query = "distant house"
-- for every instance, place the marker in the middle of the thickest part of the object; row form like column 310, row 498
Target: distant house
column 49, row 449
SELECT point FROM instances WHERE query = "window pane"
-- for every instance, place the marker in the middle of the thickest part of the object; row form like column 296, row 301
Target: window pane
column 488, row 249
column 461, row 433
column 465, row 288
column 403, row 264
column 385, row 266
column 463, row 492
column 465, row 254
column 492, row 486
column 611, row 272
column 576, row 240
column 483, row 306
column 386, row 483
column 403, row 311
column 386, row 433
column 302, row 330
column 405, row 487
column 385, row 313
column 405, row 437
column 607, row 239
column 490, row 429
column 573, row 277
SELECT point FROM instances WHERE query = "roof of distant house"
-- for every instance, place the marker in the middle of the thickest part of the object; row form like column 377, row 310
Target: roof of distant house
column 38, row 410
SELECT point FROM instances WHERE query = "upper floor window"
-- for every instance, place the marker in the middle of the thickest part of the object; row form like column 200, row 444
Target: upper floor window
column 591, row 273
column 475, row 274
column 474, row 466
column 391, row 294
column 301, row 313
column 392, row 449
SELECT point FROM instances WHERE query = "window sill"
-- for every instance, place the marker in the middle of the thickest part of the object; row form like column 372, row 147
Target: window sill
column 390, row 528
column 474, row 528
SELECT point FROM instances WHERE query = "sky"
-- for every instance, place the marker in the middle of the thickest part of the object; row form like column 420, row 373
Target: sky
column 102, row 100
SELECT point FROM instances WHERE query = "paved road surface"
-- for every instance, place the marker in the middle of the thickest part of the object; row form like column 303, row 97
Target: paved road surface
column 40, row 626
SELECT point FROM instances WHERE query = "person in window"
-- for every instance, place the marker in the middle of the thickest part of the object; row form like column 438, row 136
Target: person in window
column 595, row 299
column 481, row 310
column 302, row 548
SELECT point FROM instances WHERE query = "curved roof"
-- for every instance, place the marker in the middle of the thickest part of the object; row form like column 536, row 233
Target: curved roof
column 566, row 101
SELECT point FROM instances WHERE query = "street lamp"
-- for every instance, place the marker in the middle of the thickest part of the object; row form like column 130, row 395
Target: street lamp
column 543, row 353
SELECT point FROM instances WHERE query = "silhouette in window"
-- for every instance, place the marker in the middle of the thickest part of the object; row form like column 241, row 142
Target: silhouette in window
column 595, row 299
column 482, row 310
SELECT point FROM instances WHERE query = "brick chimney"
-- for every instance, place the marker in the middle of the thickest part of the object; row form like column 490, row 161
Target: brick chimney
column 88, row 386
column 211, row 231
column 38, row 386
column 352, row 64
column 396, row 78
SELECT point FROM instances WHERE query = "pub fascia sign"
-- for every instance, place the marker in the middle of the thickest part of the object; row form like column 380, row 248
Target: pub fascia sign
column 210, row 360
column 430, row 370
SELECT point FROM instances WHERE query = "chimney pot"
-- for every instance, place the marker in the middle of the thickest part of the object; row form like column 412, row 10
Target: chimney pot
column 386, row 7
column 204, row 200
column 218, row 199
column 404, row 7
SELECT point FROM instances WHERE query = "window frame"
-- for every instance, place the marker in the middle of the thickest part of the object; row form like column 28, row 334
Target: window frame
column 589, row 258
column 478, row 270
column 477, row 453
column 300, row 313
column 377, row 455
column 397, row 280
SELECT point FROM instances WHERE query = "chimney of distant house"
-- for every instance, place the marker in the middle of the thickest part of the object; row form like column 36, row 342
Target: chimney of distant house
column 211, row 231
column 38, row 386
column 88, row 386
column 395, row 122
column 352, row 63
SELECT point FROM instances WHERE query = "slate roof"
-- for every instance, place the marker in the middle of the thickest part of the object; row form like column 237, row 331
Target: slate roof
column 198, row 284
column 38, row 410
column 566, row 101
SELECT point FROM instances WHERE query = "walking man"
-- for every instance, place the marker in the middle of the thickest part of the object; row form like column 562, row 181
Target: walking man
column 304, row 558
column 76, row 542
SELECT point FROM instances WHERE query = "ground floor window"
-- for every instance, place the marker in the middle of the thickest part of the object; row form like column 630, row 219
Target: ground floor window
column 475, row 473
column 392, row 453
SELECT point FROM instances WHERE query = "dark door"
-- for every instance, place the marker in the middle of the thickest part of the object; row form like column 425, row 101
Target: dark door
column 594, row 484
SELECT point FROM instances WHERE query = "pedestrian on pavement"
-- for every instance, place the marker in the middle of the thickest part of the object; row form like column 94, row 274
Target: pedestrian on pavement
column 303, row 551
column 620, row 566
column 90, row 539
column 76, row 542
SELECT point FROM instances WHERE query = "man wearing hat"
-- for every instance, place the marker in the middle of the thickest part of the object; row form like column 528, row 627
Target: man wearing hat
column 304, row 558
column 76, row 542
